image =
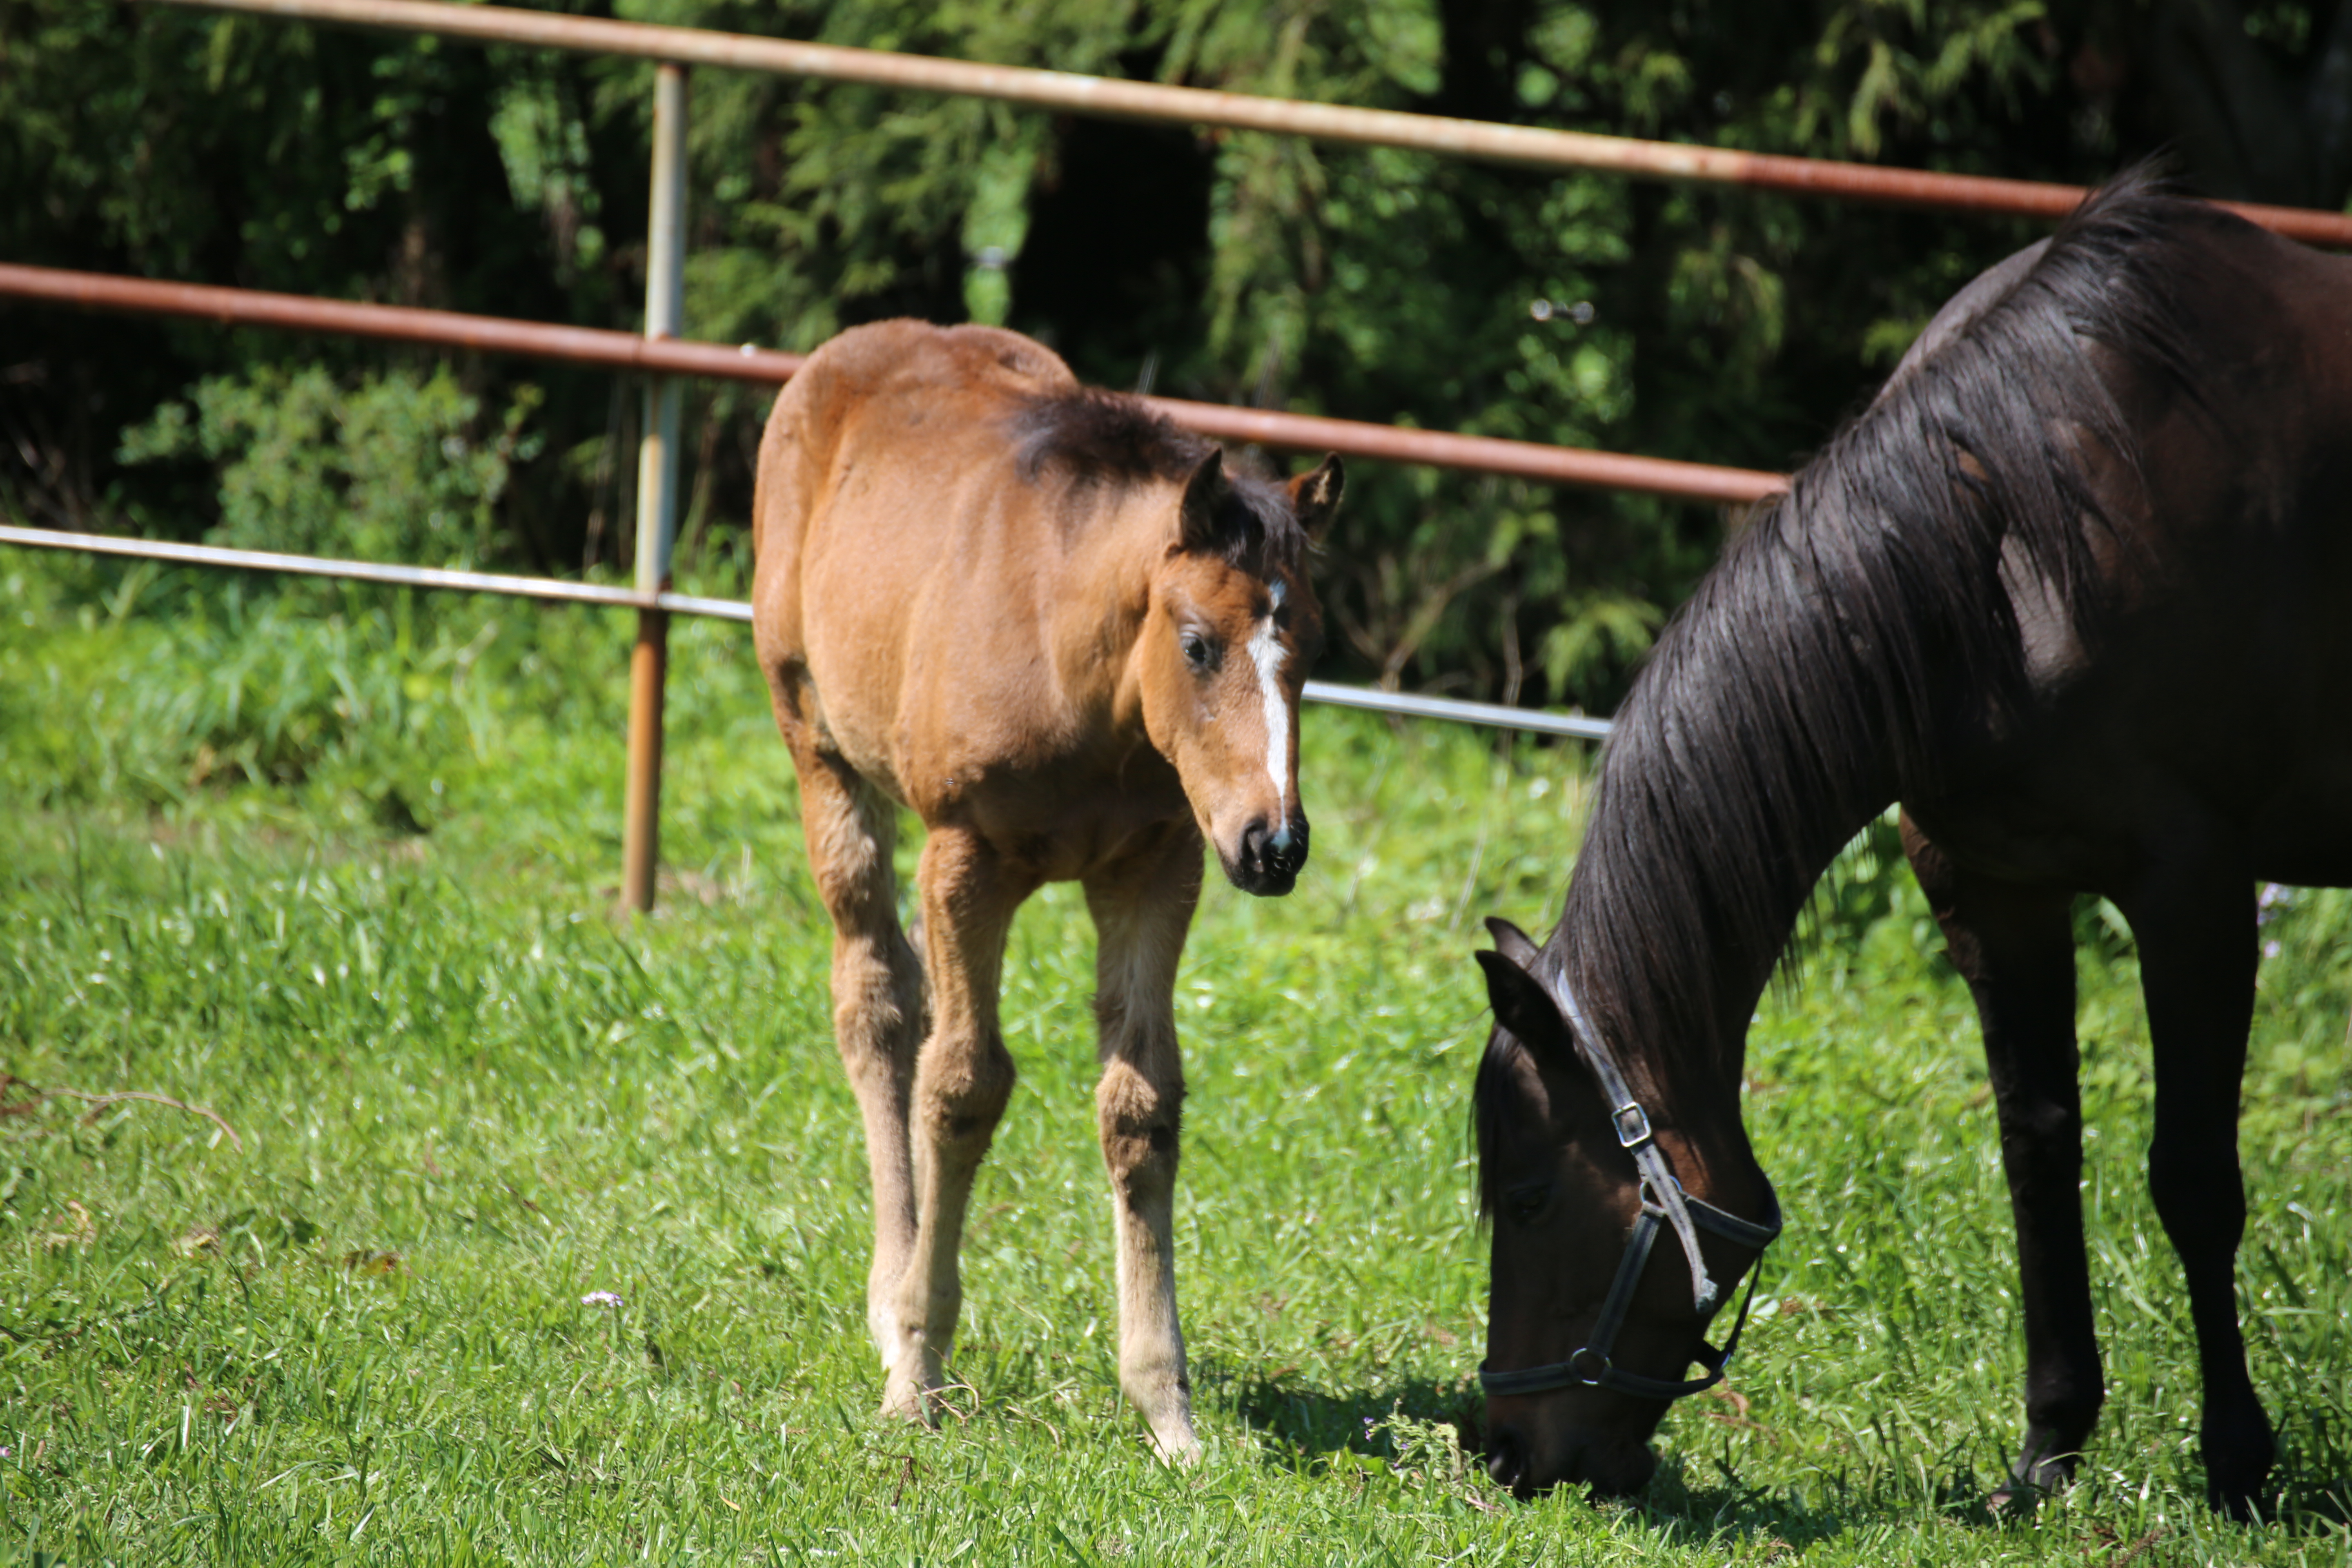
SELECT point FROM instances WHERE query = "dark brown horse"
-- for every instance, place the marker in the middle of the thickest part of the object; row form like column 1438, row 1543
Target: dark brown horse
column 1055, row 627
column 2104, row 492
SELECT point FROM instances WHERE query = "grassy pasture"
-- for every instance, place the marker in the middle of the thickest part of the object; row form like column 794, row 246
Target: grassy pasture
column 336, row 866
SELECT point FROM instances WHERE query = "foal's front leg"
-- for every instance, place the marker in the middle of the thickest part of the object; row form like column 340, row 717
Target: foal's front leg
column 963, row 1076
column 1141, row 909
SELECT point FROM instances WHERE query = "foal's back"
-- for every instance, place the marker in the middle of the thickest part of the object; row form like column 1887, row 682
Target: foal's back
column 899, row 549
column 908, row 403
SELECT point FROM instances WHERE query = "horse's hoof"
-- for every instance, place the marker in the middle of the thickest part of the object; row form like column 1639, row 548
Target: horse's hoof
column 2240, row 1500
column 2031, row 1480
column 2238, row 1469
column 911, row 1409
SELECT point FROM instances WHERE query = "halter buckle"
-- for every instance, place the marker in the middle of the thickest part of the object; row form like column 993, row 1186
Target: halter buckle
column 1593, row 1378
column 1632, row 1124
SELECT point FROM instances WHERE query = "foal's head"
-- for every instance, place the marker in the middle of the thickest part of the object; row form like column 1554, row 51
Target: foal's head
column 1231, row 632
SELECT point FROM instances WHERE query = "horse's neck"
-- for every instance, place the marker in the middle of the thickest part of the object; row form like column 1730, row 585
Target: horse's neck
column 1713, row 824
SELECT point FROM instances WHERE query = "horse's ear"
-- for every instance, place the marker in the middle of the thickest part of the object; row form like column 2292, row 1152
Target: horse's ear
column 1523, row 1006
column 1315, row 497
column 1511, row 941
column 1197, row 527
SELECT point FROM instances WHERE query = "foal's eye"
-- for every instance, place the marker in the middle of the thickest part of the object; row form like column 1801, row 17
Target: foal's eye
column 1199, row 651
column 1525, row 1202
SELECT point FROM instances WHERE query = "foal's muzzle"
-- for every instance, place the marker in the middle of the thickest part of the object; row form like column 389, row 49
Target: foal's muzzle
column 1271, row 857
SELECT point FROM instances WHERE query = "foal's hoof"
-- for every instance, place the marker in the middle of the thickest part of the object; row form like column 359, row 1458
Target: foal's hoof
column 912, row 1392
column 1175, row 1445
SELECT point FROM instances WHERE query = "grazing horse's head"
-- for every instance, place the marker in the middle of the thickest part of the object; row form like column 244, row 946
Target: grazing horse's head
column 1597, row 1311
column 1232, row 629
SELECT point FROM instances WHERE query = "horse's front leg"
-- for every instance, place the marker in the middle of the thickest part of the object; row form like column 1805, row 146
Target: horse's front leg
column 2194, row 919
column 2015, row 948
column 963, row 1076
column 1141, row 909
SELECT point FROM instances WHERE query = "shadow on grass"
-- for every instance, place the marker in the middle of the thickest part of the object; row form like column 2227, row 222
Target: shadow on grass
column 1688, row 1510
column 2310, row 1490
column 1317, row 1430
column 1303, row 1427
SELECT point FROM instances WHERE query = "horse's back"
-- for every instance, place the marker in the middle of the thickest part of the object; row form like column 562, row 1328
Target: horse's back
column 2265, row 648
column 2212, row 687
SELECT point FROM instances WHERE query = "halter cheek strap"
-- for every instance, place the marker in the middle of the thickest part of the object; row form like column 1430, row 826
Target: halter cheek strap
column 1663, row 1202
column 1632, row 1124
column 1591, row 1364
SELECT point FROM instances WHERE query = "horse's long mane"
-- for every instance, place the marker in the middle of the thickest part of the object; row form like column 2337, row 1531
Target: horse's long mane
column 1095, row 437
column 1805, row 684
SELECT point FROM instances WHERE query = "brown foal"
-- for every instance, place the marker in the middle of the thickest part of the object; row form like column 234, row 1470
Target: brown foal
column 1062, row 634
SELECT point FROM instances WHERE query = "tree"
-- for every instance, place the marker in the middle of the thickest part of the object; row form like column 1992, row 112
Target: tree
column 1716, row 324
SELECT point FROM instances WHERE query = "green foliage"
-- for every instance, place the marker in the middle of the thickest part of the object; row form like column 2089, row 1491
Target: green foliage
column 1684, row 321
column 398, row 468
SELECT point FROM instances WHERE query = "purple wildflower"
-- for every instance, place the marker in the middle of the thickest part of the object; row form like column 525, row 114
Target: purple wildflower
column 600, row 1299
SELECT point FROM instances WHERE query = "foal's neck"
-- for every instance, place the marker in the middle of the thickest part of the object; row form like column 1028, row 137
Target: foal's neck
column 1096, row 599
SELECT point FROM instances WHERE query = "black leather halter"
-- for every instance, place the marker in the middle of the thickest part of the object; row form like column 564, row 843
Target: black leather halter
column 1663, row 1202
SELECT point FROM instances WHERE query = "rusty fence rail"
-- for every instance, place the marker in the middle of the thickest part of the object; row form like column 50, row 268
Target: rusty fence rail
column 1703, row 482
column 660, row 356
column 1113, row 97
column 1492, row 715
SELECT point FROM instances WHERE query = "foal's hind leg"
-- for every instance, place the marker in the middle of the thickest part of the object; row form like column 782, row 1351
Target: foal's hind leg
column 2194, row 919
column 1141, row 909
column 877, row 1001
column 963, row 1076
column 2015, row 947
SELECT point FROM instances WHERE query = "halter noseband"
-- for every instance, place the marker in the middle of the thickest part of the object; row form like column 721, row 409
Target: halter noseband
column 1663, row 1202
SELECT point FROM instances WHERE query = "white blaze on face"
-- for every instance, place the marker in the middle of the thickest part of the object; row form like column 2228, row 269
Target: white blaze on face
column 1266, row 652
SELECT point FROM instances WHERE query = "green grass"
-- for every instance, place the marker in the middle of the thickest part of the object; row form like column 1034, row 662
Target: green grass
column 338, row 868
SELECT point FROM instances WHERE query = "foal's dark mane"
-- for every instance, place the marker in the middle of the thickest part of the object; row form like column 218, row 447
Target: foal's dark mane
column 1805, row 686
column 1092, row 436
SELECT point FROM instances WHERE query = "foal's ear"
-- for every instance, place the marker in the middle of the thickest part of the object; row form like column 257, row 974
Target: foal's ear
column 1315, row 497
column 1523, row 1006
column 1197, row 525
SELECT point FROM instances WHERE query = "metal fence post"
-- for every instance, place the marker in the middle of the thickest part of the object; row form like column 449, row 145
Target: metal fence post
column 656, row 492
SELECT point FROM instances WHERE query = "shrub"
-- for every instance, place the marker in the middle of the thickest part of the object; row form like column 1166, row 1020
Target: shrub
column 397, row 468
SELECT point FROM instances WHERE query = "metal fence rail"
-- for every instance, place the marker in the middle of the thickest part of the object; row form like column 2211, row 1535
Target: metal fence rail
column 1705, row 482
column 1492, row 715
column 1117, row 99
column 660, row 357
